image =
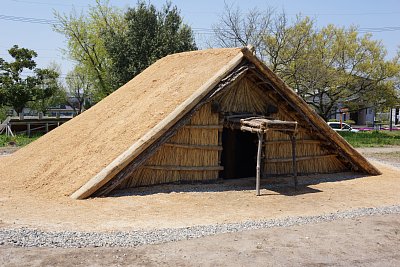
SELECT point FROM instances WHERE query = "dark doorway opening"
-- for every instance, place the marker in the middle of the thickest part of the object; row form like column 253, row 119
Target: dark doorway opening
column 239, row 154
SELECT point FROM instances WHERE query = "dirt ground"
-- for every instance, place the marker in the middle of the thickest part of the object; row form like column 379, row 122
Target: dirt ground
column 363, row 241
column 176, row 208
column 181, row 209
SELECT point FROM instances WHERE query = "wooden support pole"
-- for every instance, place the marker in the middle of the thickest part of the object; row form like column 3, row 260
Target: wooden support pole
column 263, row 158
column 258, row 168
column 47, row 127
column 294, row 163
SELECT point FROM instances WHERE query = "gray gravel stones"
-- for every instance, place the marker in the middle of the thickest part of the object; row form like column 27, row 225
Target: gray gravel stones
column 26, row 237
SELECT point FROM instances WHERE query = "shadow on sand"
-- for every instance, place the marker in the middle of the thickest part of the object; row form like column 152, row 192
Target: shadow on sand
column 278, row 185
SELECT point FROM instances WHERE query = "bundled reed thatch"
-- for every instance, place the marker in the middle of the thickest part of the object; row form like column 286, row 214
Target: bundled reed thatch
column 177, row 156
column 195, row 136
column 244, row 97
column 146, row 177
column 279, row 136
column 205, row 116
column 322, row 164
column 192, row 154
column 280, row 150
column 312, row 156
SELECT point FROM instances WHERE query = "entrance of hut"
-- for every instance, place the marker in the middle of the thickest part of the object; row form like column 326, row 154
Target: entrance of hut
column 239, row 154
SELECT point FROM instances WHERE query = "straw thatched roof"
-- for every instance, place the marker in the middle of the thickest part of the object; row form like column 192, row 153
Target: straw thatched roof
column 86, row 152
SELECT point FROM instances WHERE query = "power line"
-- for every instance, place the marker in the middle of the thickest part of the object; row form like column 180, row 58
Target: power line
column 201, row 31
column 44, row 3
column 379, row 29
column 350, row 14
column 29, row 20
column 213, row 12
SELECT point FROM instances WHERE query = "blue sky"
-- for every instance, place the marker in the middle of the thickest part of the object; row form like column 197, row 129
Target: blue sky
column 198, row 14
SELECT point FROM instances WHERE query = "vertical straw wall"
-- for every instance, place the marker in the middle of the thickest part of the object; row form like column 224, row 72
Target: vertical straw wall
column 192, row 154
column 311, row 155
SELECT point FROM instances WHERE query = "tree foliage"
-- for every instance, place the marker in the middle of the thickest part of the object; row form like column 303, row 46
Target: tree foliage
column 18, row 88
column 327, row 67
column 86, row 43
column 79, row 91
column 112, row 46
column 49, row 92
column 149, row 35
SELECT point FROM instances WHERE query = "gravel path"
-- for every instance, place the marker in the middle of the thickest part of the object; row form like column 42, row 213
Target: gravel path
column 6, row 151
column 391, row 163
column 386, row 155
column 26, row 237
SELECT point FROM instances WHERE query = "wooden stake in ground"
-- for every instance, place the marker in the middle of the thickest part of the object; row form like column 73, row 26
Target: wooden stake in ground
column 260, row 141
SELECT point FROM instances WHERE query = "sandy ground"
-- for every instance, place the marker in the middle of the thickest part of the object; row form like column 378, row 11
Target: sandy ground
column 181, row 209
column 363, row 241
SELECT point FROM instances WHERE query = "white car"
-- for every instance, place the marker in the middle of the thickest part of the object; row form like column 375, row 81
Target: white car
column 345, row 127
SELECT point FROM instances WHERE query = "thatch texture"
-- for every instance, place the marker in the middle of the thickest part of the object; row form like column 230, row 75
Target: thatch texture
column 244, row 96
column 189, row 147
column 64, row 159
column 309, row 166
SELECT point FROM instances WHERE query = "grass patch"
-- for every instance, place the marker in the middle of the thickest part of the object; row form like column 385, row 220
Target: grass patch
column 18, row 140
column 372, row 138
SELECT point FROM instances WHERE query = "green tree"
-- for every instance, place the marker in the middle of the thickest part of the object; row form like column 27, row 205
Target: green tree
column 46, row 92
column 339, row 66
column 328, row 66
column 149, row 35
column 49, row 91
column 86, row 43
column 15, row 90
column 112, row 46
column 79, row 91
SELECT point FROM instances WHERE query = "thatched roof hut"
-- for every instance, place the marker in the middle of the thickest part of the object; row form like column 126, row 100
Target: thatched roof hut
column 190, row 116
